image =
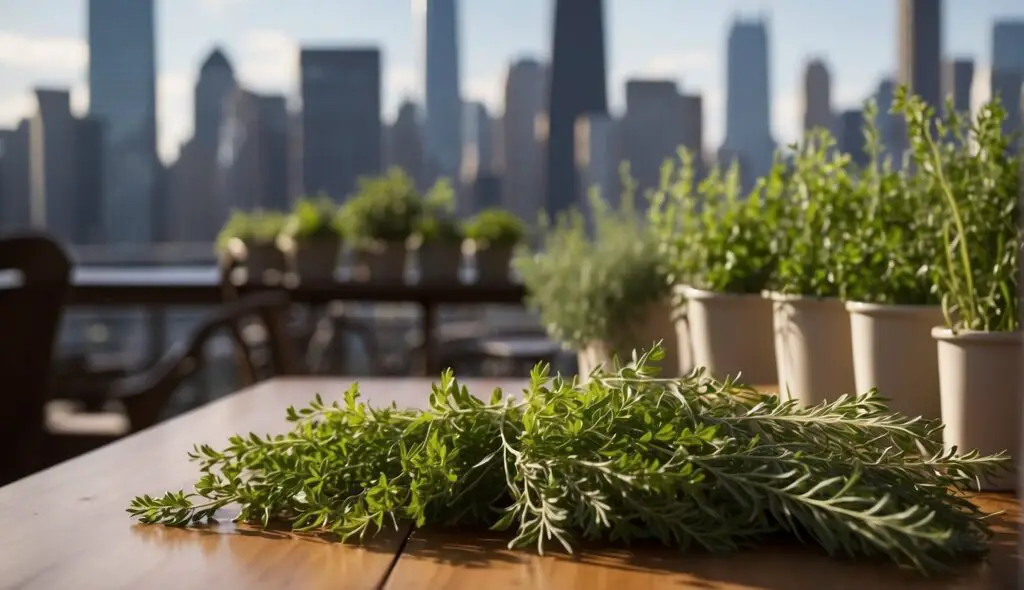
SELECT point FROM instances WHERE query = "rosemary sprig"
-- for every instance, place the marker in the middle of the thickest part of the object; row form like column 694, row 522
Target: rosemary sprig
column 690, row 462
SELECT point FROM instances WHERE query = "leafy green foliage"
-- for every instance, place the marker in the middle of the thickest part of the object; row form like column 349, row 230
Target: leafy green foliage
column 313, row 218
column 890, row 251
column 977, row 182
column 496, row 226
column 592, row 287
column 674, row 219
column 258, row 226
column 386, row 209
column 436, row 223
column 690, row 462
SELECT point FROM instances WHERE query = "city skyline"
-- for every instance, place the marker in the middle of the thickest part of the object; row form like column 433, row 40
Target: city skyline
column 46, row 48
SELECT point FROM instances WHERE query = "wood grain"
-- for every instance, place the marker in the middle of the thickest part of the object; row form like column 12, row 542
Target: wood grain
column 469, row 560
column 66, row 527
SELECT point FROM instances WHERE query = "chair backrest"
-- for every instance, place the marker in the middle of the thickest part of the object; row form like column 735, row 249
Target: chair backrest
column 32, row 295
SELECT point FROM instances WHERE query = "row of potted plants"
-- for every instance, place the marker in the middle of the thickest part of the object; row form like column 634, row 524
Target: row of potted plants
column 383, row 223
column 827, row 279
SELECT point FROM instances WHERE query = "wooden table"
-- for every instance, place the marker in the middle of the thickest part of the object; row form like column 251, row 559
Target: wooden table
column 67, row 528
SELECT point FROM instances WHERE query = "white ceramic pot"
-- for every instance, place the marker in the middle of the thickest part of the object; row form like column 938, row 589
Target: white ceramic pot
column 813, row 351
column 317, row 259
column 656, row 324
column 439, row 262
column 894, row 352
column 382, row 263
column 681, row 321
column 492, row 264
column 980, row 381
column 264, row 261
column 732, row 335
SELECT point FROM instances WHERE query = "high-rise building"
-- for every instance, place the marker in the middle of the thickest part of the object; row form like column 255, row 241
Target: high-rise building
column 577, row 88
column 89, row 227
column 656, row 124
column 920, row 49
column 818, row 97
column 442, row 145
column 521, row 162
column 957, row 80
column 253, row 155
column 851, row 138
column 405, row 143
column 341, row 127
column 599, row 153
column 14, row 177
column 890, row 125
column 748, row 134
column 1008, row 70
column 197, row 205
column 477, row 156
column 122, row 96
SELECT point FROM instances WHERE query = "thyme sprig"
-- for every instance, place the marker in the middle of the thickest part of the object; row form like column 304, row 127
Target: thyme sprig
column 691, row 462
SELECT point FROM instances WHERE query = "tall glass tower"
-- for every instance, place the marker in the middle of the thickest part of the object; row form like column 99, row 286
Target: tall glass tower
column 442, row 147
column 122, row 96
column 748, row 134
column 578, row 87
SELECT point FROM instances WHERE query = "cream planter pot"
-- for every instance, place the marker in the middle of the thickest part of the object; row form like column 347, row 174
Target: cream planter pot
column 492, row 264
column 894, row 352
column 732, row 335
column 264, row 261
column 316, row 260
column 813, row 351
column 684, row 340
column 383, row 263
column 439, row 262
column 657, row 324
column 980, row 380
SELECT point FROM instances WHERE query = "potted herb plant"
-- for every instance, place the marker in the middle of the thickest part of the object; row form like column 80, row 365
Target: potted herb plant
column 493, row 236
column 890, row 257
column 439, row 236
column 603, row 292
column 981, row 345
column 379, row 221
column 314, row 235
column 814, row 357
column 730, row 321
column 258, row 232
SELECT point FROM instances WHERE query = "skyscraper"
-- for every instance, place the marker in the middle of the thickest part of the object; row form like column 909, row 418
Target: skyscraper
column 341, row 128
column 656, row 124
column 850, row 136
column 578, row 87
column 818, row 97
column 215, row 87
column 1008, row 70
column 253, row 158
column 957, row 79
column 14, row 177
column 477, row 156
column 920, row 49
column 748, row 134
column 526, row 91
column 122, row 96
column 405, row 143
column 442, row 144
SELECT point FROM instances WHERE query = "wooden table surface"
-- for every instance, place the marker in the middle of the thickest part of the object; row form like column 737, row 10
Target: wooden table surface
column 66, row 527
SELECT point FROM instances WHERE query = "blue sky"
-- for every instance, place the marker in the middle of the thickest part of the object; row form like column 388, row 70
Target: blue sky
column 41, row 43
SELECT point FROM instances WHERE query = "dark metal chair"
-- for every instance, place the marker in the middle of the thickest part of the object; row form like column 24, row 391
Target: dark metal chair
column 32, row 295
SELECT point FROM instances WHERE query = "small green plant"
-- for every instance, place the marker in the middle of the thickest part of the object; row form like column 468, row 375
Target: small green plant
column 692, row 463
column 437, row 222
column 891, row 252
column 496, row 227
column 978, row 185
column 674, row 218
column 313, row 218
column 593, row 287
column 257, row 227
column 386, row 209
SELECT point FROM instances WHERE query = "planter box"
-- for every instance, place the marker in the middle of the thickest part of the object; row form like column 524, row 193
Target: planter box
column 382, row 263
column 732, row 335
column 439, row 262
column 894, row 352
column 317, row 260
column 492, row 264
column 813, row 351
column 656, row 324
column 980, row 381
column 264, row 261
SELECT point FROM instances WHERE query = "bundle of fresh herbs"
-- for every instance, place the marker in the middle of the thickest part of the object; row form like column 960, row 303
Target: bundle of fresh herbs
column 626, row 456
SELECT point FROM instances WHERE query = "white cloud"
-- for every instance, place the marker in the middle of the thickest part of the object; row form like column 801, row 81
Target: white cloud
column 52, row 54
column 15, row 107
column 174, row 111
column 269, row 61
column 676, row 64
column 786, row 117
